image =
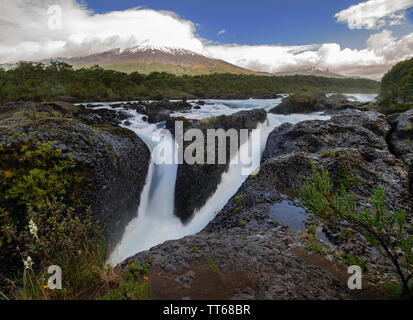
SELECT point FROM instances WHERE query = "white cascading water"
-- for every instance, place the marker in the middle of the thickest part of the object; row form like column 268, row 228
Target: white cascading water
column 155, row 222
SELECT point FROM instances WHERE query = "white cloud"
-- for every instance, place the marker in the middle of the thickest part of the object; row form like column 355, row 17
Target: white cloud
column 24, row 35
column 24, row 31
column 383, row 50
column 374, row 14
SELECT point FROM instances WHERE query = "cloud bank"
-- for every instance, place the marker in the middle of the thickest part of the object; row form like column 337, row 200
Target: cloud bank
column 375, row 14
column 25, row 34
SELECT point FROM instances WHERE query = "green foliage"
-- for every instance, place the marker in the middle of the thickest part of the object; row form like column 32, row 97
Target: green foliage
column 397, row 84
column 36, row 82
column 238, row 199
column 328, row 154
column 351, row 261
column 237, row 210
column 385, row 231
column 30, row 175
column 135, row 270
column 56, row 235
column 213, row 265
column 132, row 287
column 314, row 246
column 242, row 223
column 394, row 289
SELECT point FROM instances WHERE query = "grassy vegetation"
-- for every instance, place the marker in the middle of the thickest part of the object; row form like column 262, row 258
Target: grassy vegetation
column 57, row 235
column 215, row 268
column 385, row 231
column 38, row 82
column 134, row 284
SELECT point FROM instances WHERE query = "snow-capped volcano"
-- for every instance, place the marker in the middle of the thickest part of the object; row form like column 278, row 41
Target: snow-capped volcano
column 149, row 58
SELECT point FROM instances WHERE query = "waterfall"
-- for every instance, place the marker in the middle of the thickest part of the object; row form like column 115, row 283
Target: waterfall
column 155, row 222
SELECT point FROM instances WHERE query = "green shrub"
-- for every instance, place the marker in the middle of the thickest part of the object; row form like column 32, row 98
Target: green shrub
column 385, row 231
column 30, row 175
column 133, row 286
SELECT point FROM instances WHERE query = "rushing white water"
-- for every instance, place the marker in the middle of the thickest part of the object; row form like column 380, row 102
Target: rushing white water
column 360, row 97
column 155, row 221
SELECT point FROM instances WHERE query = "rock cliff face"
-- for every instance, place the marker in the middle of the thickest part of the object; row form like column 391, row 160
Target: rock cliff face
column 196, row 183
column 401, row 139
column 111, row 162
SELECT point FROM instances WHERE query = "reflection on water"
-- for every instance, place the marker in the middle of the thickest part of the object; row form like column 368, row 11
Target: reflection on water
column 289, row 214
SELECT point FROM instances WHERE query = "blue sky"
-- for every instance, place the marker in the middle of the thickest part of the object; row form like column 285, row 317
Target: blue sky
column 292, row 22
column 361, row 38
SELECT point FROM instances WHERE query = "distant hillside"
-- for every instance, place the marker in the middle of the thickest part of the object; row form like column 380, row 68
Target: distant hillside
column 146, row 59
column 314, row 71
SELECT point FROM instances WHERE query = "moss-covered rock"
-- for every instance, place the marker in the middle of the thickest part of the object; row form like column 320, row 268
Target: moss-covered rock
column 305, row 103
column 103, row 167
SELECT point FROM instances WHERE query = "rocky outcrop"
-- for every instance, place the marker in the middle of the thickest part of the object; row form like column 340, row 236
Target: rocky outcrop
column 352, row 147
column 111, row 162
column 249, row 239
column 401, row 139
column 238, row 264
column 157, row 111
column 196, row 183
column 100, row 116
column 299, row 103
column 351, row 128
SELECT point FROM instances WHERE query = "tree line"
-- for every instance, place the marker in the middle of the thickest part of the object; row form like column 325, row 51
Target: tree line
column 397, row 84
column 36, row 81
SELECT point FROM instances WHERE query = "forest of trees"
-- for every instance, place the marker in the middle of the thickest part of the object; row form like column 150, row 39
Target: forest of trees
column 397, row 84
column 39, row 82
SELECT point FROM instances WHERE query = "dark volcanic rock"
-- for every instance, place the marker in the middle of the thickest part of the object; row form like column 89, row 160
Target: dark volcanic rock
column 298, row 103
column 155, row 116
column 196, row 183
column 157, row 111
column 238, row 264
column 401, row 139
column 100, row 116
column 351, row 128
column 352, row 147
column 350, row 144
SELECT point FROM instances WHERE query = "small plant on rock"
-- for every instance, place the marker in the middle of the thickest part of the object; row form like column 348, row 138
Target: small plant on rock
column 385, row 231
